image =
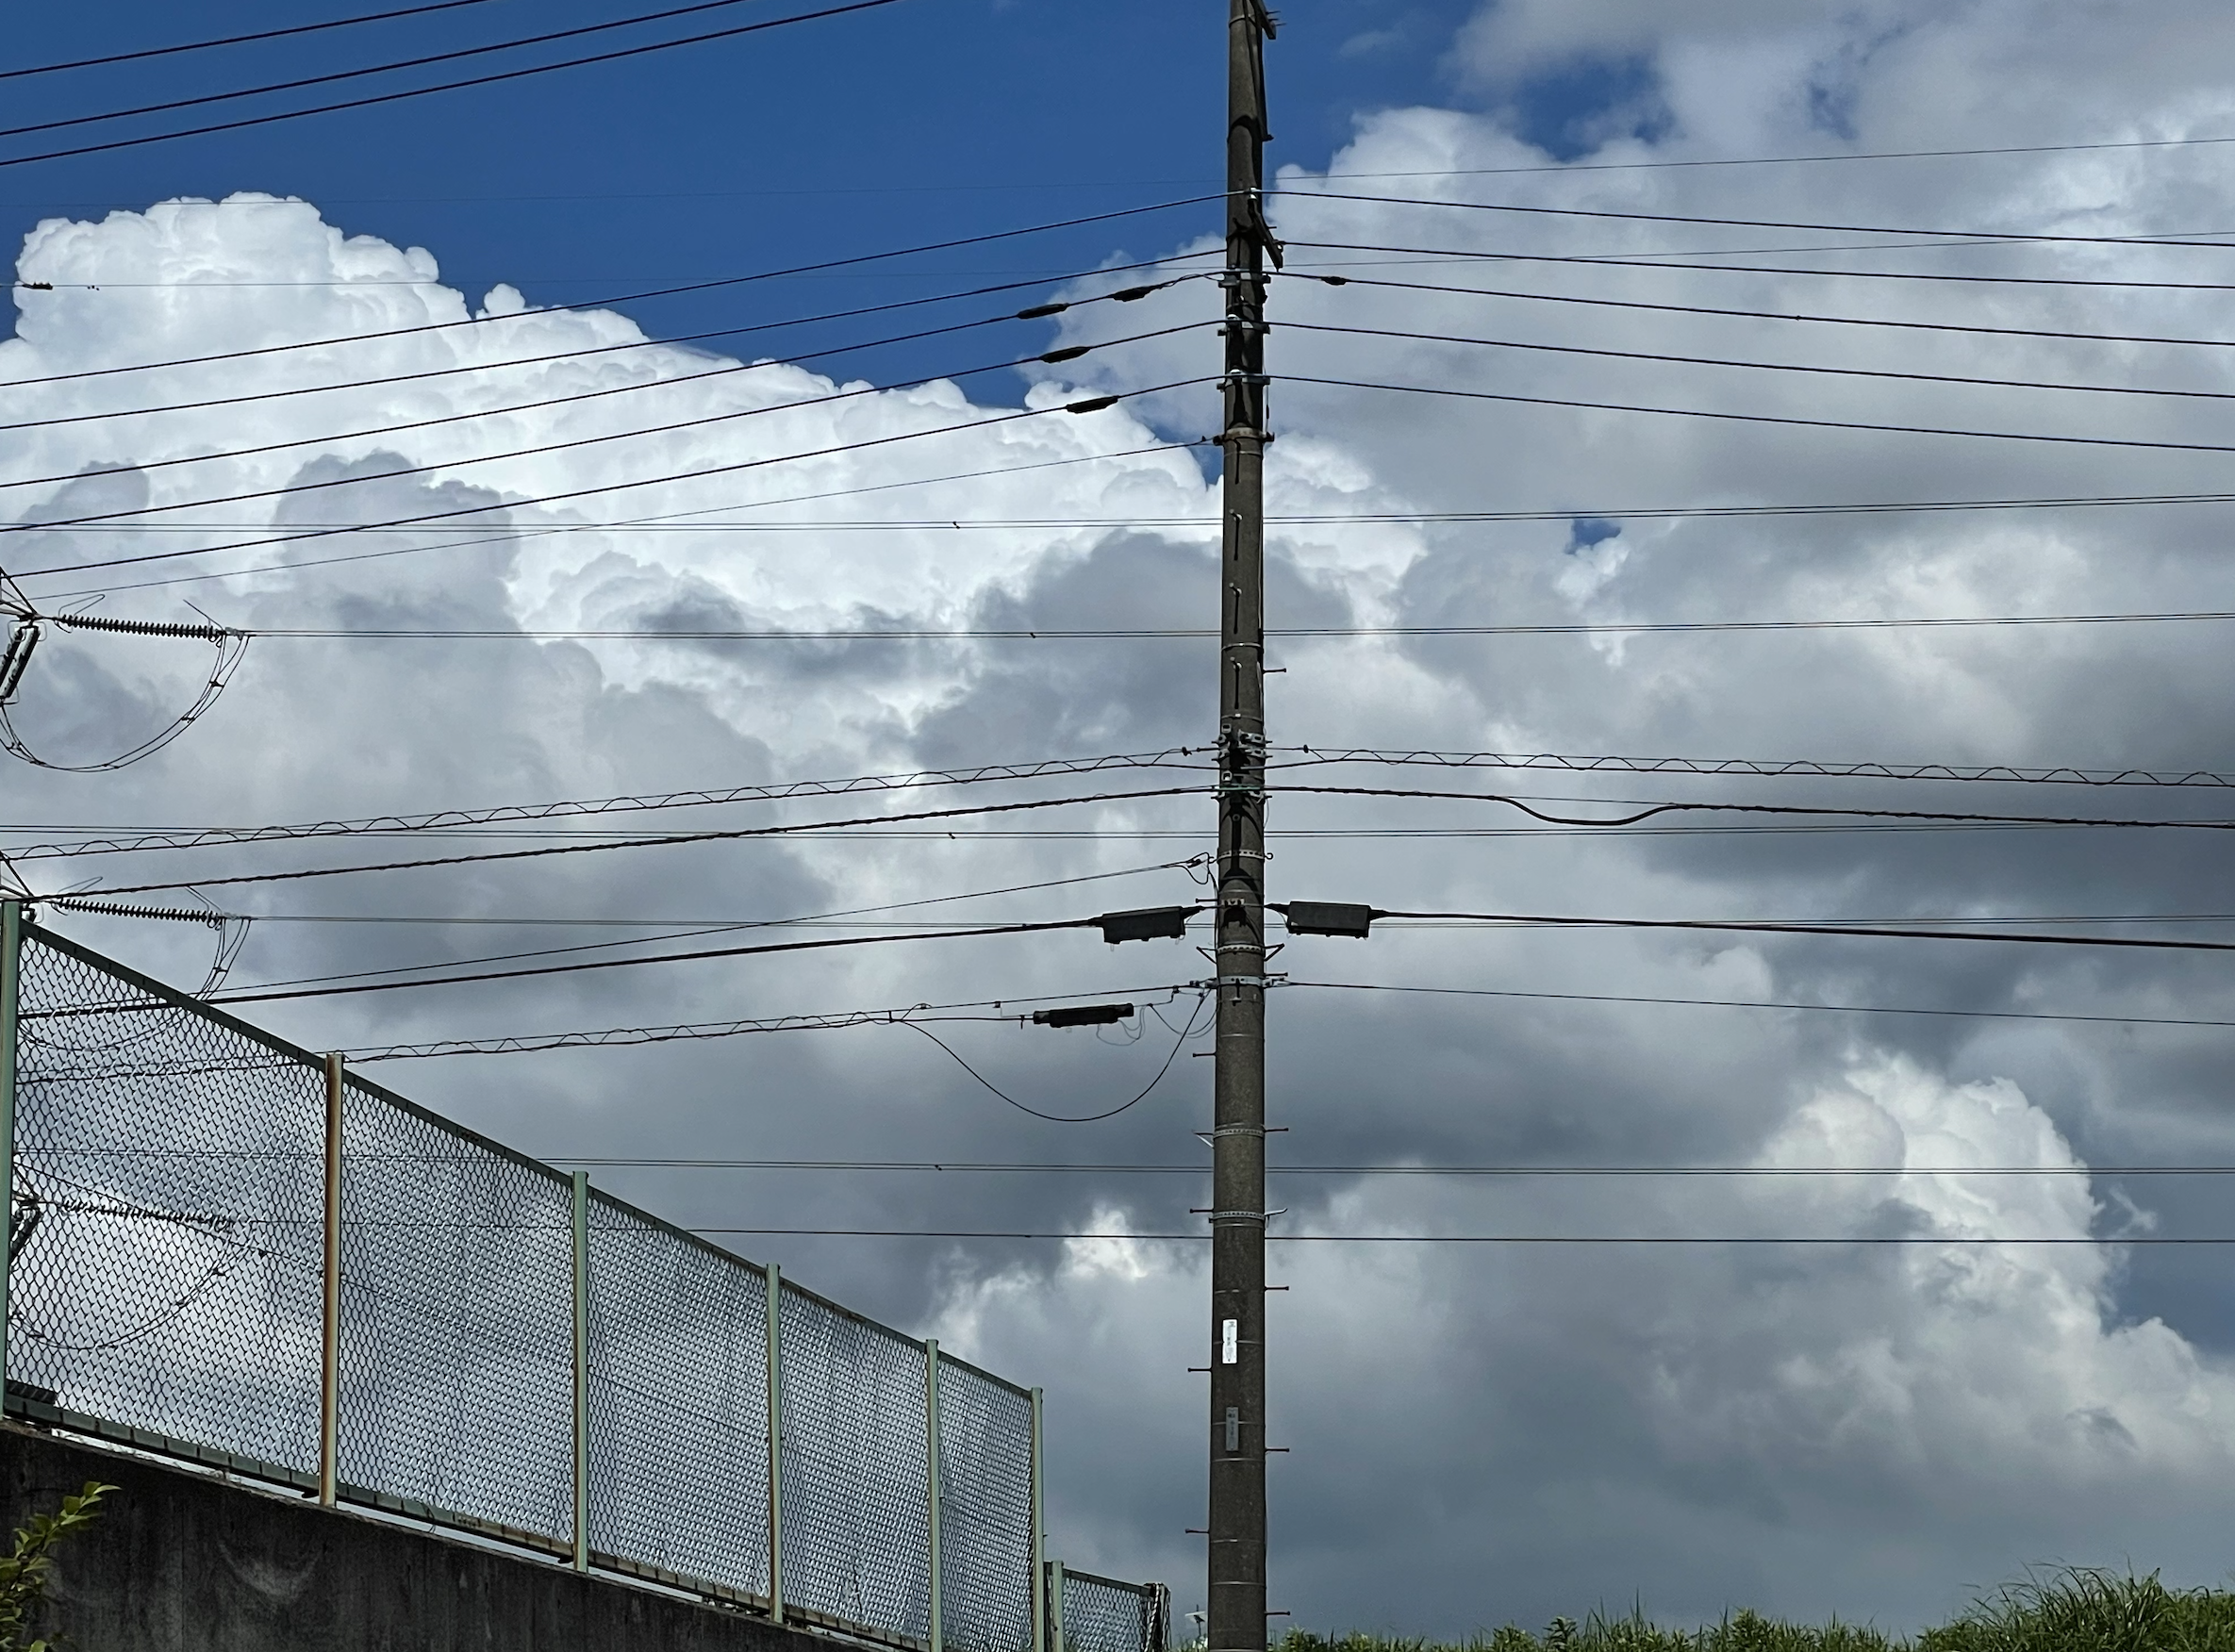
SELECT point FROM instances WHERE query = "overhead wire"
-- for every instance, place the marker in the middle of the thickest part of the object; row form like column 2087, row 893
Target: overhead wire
column 696, row 931
column 1285, row 192
column 1667, row 307
column 1123, row 295
column 1675, row 262
column 633, row 432
column 967, row 1167
column 541, row 971
column 1536, row 920
column 730, row 834
column 2108, row 1241
column 1187, row 1030
column 1910, row 376
column 1791, row 421
column 244, row 121
column 124, row 839
column 1184, row 632
column 1754, row 767
column 636, row 432
column 239, row 40
column 1089, row 405
column 1646, row 809
column 510, row 533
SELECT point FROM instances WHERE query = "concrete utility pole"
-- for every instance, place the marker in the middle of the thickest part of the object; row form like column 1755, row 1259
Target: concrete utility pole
column 1237, row 1594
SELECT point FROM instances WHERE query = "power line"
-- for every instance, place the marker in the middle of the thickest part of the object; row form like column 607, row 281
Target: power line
column 1180, row 632
column 1757, row 768
column 389, row 98
column 443, row 819
column 1870, row 373
column 2092, row 241
column 1675, row 261
column 1500, row 1171
column 1089, row 405
column 1123, row 296
column 1790, row 420
column 1529, row 1239
column 1587, row 166
column 1321, row 519
column 510, row 533
column 239, row 40
column 730, row 836
column 1535, row 921
column 611, row 299
column 698, row 931
column 547, row 969
column 358, row 74
column 1664, row 308
column 1648, row 809
column 632, row 433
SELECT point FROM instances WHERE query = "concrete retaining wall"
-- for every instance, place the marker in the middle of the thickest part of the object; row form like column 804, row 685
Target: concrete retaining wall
column 180, row 1562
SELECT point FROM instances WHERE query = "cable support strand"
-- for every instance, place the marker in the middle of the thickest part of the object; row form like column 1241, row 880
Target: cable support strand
column 1807, row 767
column 733, row 834
column 200, row 836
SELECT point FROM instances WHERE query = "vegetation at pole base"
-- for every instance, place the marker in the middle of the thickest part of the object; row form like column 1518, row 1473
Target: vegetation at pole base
column 2072, row 1610
column 24, row 1572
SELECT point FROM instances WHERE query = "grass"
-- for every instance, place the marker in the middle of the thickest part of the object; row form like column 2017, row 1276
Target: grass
column 2077, row 1611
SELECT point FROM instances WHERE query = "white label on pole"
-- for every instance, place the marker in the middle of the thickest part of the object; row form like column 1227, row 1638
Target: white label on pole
column 1230, row 1342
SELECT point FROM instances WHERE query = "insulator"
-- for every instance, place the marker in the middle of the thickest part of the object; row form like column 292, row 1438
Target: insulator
column 20, row 641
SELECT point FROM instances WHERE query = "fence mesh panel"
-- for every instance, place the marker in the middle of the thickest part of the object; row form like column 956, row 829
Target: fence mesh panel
column 1100, row 1615
column 857, row 1468
column 168, row 1221
column 986, row 1548
column 679, row 1402
column 168, row 1199
column 457, row 1321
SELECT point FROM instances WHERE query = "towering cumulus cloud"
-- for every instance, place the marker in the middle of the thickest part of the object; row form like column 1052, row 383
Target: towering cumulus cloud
column 1967, row 1365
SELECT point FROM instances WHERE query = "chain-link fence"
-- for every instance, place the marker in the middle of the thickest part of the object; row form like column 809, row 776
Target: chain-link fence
column 1100, row 1615
column 495, row 1346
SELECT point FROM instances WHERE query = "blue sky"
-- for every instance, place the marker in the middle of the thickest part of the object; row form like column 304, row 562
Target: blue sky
column 934, row 120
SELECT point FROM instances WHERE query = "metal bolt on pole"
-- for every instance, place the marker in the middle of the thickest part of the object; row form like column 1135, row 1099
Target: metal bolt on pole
column 931, row 1434
column 1039, row 1529
column 11, row 976
column 775, row 1321
column 1236, row 1593
column 329, row 1372
column 581, row 1227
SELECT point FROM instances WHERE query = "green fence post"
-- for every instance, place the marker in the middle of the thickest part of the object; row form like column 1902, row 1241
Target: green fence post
column 776, row 1386
column 1039, row 1532
column 581, row 1371
column 930, row 1431
column 329, row 1364
column 11, row 972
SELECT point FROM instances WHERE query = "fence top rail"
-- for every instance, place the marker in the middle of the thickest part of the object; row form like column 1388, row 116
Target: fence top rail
column 1072, row 1574
column 170, row 998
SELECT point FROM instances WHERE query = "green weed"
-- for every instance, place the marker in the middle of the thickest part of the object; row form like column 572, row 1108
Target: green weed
column 2073, row 1610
